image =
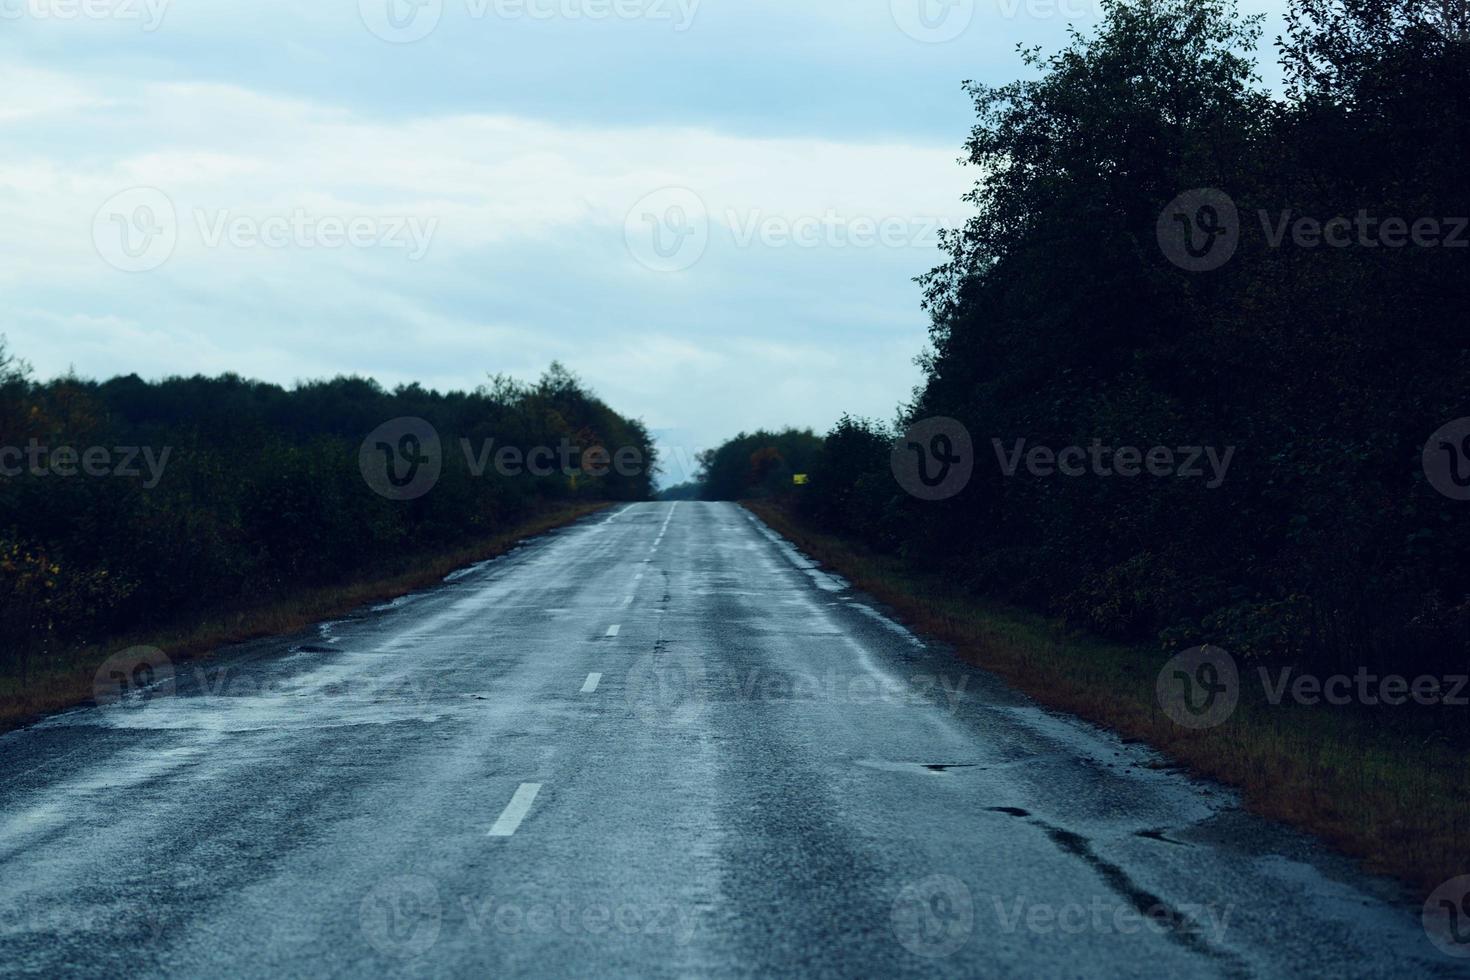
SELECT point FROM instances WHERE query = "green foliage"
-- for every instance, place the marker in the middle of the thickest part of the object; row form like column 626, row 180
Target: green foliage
column 262, row 491
column 681, row 491
column 850, row 489
column 757, row 464
column 1058, row 319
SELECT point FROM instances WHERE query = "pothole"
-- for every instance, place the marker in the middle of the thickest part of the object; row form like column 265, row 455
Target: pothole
column 1013, row 811
column 922, row 768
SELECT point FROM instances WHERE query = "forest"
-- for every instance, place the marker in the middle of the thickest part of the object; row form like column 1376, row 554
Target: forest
column 132, row 505
column 1165, row 252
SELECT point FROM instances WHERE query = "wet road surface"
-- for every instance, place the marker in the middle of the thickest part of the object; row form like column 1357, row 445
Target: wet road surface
column 657, row 743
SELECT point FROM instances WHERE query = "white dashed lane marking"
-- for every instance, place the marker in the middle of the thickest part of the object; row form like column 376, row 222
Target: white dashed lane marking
column 515, row 811
column 590, row 685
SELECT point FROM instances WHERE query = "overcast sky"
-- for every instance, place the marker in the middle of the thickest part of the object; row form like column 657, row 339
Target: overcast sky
column 711, row 210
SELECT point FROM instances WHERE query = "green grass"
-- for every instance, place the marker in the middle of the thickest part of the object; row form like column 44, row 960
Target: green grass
column 66, row 678
column 1383, row 788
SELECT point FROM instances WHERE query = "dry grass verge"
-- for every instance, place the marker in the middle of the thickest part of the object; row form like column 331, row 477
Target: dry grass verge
column 1385, row 789
column 66, row 679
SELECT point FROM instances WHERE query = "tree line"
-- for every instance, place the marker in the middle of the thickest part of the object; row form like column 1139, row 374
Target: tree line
column 128, row 504
column 1163, row 253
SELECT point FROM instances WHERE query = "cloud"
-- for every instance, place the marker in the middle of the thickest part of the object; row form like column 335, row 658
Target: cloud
column 527, row 257
column 717, row 227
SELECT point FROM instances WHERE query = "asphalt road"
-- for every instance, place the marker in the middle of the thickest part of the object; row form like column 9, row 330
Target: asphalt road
column 656, row 743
